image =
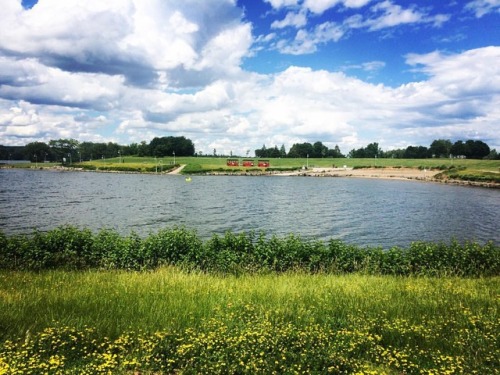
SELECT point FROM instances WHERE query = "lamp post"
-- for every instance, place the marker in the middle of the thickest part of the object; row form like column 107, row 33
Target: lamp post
column 307, row 161
column 174, row 157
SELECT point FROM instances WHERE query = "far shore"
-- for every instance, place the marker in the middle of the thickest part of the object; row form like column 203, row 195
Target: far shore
column 399, row 173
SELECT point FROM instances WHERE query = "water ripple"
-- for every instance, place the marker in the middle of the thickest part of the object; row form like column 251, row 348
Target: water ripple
column 360, row 211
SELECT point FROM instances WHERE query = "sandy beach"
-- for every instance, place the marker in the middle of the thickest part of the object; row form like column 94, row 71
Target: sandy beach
column 392, row 173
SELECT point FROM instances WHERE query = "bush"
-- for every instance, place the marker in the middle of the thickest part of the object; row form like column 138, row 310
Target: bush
column 71, row 248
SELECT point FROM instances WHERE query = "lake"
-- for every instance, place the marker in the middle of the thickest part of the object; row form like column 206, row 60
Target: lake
column 355, row 210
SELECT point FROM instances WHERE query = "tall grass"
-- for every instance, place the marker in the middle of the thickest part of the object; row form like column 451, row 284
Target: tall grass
column 168, row 321
column 232, row 253
column 74, row 301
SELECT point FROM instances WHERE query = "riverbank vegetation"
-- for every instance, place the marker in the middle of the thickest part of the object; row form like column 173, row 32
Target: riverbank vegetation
column 239, row 253
column 74, row 301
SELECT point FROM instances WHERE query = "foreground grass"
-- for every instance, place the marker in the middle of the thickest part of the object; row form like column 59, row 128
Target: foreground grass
column 169, row 320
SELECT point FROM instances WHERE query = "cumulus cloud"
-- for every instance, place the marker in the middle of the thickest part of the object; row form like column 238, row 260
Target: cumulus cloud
column 382, row 15
column 141, row 69
column 296, row 20
column 483, row 7
column 308, row 41
column 320, row 6
column 135, row 39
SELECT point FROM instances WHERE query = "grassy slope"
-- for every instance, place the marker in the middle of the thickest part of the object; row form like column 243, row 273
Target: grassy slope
column 199, row 164
column 170, row 299
column 386, row 324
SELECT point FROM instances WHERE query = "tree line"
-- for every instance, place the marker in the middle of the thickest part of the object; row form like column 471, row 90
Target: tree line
column 72, row 151
column 300, row 150
column 439, row 148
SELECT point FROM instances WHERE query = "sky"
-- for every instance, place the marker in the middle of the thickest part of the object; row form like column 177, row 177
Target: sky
column 236, row 75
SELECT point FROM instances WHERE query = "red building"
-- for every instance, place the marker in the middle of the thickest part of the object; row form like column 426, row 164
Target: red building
column 233, row 163
column 248, row 163
column 264, row 163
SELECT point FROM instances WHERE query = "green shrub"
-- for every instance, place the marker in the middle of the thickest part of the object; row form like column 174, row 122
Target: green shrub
column 72, row 248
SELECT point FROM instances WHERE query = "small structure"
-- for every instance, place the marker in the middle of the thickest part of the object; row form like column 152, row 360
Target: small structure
column 264, row 163
column 233, row 163
column 248, row 163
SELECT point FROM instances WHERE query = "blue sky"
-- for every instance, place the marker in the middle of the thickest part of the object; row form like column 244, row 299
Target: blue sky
column 238, row 74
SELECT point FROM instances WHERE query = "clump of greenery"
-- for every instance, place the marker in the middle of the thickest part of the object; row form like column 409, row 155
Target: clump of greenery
column 75, row 249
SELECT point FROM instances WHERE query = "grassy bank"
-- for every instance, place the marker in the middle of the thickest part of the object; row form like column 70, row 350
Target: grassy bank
column 74, row 301
column 455, row 169
column 239, row 253
column 170, row 321
column 459, row 168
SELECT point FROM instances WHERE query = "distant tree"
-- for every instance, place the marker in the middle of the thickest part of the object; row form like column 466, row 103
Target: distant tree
column 319, row 150
column 493, row 155
column 283, row 151
column 64, row 149
column 37, row 151
column 143, row 149
column 477, row 149
column 396, row 153
column 440, row 148
column 301, row 150
column 261, row 152
column 167, row 146
column 459, row 148
column 335, row 152
column 370, row 151
column 416, row 152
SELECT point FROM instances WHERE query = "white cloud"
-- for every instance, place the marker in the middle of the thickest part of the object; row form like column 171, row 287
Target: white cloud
column 483, row 7
column 278, row 4
column 308, row 41
column 296, row 20
column 320, row 6
column 387, row 14
column 183, row 75
column 136, row 39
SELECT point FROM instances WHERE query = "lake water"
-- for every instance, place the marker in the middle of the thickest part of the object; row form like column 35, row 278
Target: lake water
column 358, row 211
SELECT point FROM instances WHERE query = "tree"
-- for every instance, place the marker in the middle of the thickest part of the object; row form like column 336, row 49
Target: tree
column 301, row 150
column 167, row 146
column 459, row 148
column 414, row 152
column 283, row 151
column 143, row 149
column 370, row 151
column 64, row 149
column 37, row 152
column 440, row 148
column 477, row 149
column 335, row 153
column 319, row 150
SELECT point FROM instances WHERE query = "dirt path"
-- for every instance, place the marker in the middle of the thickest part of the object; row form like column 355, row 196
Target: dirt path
column 177, row 170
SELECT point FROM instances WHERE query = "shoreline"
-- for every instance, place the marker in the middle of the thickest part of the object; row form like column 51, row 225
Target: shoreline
column 387, row 173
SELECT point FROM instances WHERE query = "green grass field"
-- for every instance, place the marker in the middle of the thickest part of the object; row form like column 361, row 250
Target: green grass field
column 169, row 321
column 464, row 169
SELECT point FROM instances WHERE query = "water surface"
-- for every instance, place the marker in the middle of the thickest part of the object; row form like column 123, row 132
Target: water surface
column 359, row 211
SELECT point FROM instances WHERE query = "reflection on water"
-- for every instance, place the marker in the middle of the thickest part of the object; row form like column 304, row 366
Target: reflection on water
column 360, row 211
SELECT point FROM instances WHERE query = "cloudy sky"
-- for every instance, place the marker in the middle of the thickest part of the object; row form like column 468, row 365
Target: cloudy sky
column 234, row 75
